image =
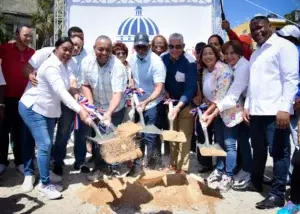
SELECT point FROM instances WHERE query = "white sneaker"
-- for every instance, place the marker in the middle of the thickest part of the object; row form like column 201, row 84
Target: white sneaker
column 58, row 187
column 225, row 184
column 215, row 176
column 241, row 175
column 2, row 168
column 28, row 182
column 20, row 168
column 49, row 191
column 54, row 178
column 95, row 175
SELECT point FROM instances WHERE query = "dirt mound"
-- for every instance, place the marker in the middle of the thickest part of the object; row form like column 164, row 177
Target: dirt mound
column 171, row 192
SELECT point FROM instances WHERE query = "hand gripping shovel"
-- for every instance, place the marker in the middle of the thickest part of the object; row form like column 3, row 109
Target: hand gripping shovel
column 150, row 129
column 172, row 135
column 207, row 149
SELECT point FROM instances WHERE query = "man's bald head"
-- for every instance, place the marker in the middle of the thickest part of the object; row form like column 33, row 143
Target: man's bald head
column 103, row 49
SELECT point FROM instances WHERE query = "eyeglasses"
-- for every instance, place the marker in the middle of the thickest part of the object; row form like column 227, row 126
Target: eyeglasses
column 120, row 53
column 177, row 47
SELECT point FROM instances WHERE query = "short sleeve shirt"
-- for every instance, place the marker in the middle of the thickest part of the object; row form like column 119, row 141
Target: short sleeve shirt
column 105, row 80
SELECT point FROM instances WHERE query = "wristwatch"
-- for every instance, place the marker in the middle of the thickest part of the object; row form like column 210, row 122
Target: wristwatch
column 2, row 105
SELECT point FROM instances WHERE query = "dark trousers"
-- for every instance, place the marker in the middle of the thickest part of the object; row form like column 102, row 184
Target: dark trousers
column 295, row 187
column 153, row 142
column 13, row 125
column 264, row 135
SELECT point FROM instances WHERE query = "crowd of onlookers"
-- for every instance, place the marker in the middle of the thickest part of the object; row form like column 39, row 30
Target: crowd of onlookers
column 250, row 103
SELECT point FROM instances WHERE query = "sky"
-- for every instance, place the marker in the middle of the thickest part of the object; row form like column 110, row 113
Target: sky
column 239, row 11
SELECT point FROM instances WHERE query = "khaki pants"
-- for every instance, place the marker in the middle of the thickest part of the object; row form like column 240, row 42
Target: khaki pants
column 180, row 151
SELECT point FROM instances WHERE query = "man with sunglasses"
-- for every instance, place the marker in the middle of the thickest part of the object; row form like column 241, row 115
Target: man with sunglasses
column 181, row 85
column 149, row 73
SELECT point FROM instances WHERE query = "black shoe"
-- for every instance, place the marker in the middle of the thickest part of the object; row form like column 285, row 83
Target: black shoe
column 83, row 168
column 270, row 202
column 58, row 170
column 249, row 188
column 134, row 172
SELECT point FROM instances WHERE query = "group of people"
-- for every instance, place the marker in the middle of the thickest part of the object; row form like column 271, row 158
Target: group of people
column 244, row 97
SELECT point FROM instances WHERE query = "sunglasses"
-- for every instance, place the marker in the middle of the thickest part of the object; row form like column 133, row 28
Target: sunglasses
column 177, row 47
column 141, row 47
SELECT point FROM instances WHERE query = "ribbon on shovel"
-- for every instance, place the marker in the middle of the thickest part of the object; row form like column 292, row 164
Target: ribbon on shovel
column 83, row 101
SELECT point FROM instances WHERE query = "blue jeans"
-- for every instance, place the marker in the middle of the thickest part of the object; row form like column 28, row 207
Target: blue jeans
column 42, row 130
column 294, row 133
column 244, row 147
column 226, row 137
column 153, row 142
column 116, row 120
column 264, row 134
column 64, row 130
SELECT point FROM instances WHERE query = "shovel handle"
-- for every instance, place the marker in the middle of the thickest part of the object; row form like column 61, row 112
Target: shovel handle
column 95, row 127
column 170, row 121
column 204, row 128
column 137, row 102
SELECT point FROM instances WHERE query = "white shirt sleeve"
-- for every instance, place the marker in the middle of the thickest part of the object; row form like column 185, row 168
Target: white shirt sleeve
column 119, row 79
column 289, row 72
column 240, row 83
column 159, row 74
column 40, row 56
column 55, row 81
column 2, row 80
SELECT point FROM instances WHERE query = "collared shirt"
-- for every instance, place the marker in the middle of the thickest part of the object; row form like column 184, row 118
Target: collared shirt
column 181, row 80
column 54, row 81
column 2, row 80
column 146, row 73
column 240, row 83
column 274, row 75
column 105, row 80
column 13, row 61
column 73, row 65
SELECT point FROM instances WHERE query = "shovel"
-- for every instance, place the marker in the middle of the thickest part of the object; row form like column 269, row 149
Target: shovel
column 98, row 138
column 150, row 129
column 172, row 135
column 207, row 149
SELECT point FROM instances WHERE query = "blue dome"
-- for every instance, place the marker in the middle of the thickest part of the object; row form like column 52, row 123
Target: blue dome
column 136, row 24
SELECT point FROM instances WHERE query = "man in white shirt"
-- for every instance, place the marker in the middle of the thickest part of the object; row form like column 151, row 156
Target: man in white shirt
column 271, row 92
column 149, row 73
column 2, row 85
column 103, row 84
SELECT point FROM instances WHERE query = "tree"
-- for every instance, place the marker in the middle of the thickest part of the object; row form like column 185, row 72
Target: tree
column 43, row 21
column 291, row 16
column 5, row 34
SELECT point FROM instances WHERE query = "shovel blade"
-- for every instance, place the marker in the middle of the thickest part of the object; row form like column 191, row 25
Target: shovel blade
column 96, row 139
column 211, row 150
column 173, row 136
column 151, row 129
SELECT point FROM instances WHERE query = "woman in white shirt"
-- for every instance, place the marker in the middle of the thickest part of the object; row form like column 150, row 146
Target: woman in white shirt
column 233, row 54
column 40, row 105
column 217, row 78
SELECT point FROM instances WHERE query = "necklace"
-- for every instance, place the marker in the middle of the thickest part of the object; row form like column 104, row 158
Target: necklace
column 22, row 56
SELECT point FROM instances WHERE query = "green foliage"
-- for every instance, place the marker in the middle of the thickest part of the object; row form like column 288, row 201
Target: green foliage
column 43, row 21
column 290, row 16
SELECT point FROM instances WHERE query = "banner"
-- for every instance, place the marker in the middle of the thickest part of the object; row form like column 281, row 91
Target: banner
column 122, row 20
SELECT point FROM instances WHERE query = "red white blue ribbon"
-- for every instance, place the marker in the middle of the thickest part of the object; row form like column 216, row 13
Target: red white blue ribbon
column 194, row 112
column 129, row 93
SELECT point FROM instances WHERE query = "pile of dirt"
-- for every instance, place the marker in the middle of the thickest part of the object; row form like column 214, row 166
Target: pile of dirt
column 128, row 129
column 121, row 149
column 173, row 191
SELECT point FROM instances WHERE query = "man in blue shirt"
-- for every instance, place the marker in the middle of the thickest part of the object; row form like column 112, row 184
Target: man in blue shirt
column 149, row 74
column 181, row 85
